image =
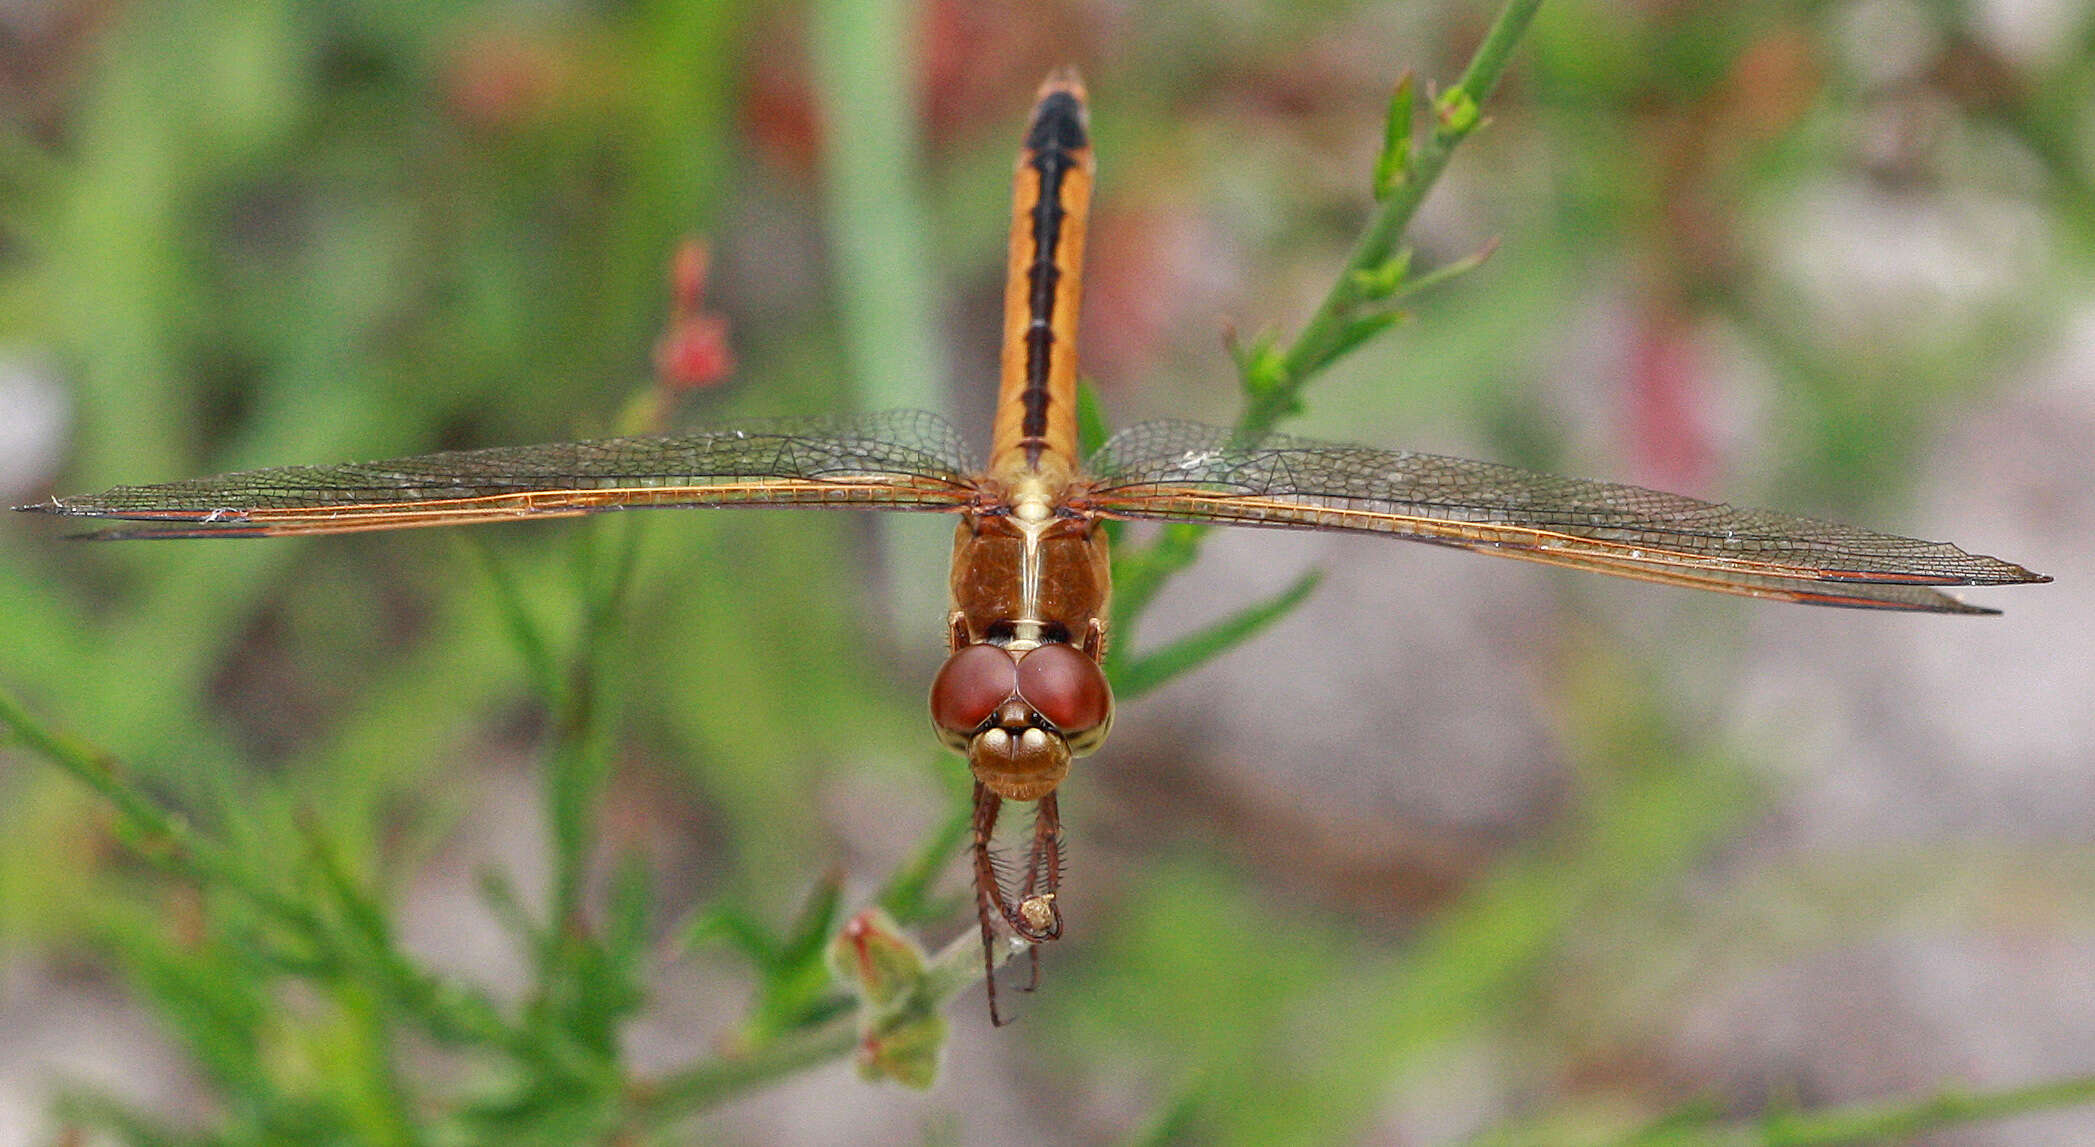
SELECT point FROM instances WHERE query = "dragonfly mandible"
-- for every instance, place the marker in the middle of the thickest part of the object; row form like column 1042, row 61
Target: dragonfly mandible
column 1023, row 690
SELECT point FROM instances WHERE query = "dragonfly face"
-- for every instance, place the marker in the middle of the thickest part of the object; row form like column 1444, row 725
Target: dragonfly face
column 1022, row 691
column 1021, row 715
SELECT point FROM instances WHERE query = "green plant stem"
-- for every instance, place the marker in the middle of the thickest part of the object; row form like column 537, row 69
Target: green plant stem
column 169, row 844
column 1862, row 1123
column 1329, row 332
column 696, row 1088
column 1897, row 1122
column 579, row 766
column 907, row 891
column 870, row 154
column 956, row 968
column 1325, row 332
column 879, row 228
column 163, row 840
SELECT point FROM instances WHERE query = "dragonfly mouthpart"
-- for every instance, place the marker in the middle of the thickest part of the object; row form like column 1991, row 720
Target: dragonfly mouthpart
column 1019, row 764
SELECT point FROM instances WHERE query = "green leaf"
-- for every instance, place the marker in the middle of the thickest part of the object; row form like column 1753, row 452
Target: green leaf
column 500, row 896
column 881, row 963
column 1139, row 573
column 1145, row 673
column 793, row 980
column 1393, row 165
column 631, row 909
column 366, row 919
column 817, row 918
column 1261, row 366
column 1442, row 274
column 525, row 633
column 1357, row 332
column 907, row 893
column 901, row 1032
column 1382, row 280
column 1457, row 113
column 907, row 1050
column 736, row 928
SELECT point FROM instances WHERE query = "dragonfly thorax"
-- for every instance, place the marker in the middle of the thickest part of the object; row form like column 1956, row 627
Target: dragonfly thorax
column 1028, row 582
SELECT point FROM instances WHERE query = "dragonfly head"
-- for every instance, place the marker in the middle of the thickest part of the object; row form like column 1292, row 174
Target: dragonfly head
column 1021, row 716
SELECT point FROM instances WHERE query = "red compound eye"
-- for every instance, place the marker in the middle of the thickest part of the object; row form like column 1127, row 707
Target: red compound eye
column 968, row 689
column 1066, row 687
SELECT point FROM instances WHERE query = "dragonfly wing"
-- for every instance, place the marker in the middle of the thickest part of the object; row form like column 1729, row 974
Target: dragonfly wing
column 1179, row 471
column 898, row 460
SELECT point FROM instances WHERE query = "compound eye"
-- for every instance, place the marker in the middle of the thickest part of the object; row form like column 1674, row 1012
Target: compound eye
column 969, row 687
column 1065, row 687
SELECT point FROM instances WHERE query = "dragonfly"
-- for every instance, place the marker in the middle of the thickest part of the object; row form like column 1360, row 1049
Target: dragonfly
column 1023, row 689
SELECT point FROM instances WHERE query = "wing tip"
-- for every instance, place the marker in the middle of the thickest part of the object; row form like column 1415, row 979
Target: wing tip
column 2000, row 571
column 2018, row 575
column 1987, row 571
column 100, row 505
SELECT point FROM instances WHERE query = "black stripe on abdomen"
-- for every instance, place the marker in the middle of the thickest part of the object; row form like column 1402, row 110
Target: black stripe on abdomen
column 1051, row 146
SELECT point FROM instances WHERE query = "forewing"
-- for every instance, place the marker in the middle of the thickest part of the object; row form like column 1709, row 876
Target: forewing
column 1179, row 471
column 898, row 460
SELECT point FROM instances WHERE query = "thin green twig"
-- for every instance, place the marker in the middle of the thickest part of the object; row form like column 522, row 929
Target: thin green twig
column 1865, row 1123
column 162, row 839
column 1896, row 1121
column 579, row 765
column 166, row 841
column 714, row 1081
column 1273, row 378
column 953, row 970
column 1456, row 115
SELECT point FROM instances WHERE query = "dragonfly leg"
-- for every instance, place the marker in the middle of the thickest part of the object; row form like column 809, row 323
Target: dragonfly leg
column 1040, row 917
column 1036, row 896
column 989, row 895
column 1035, row 918
column 1095, row 640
